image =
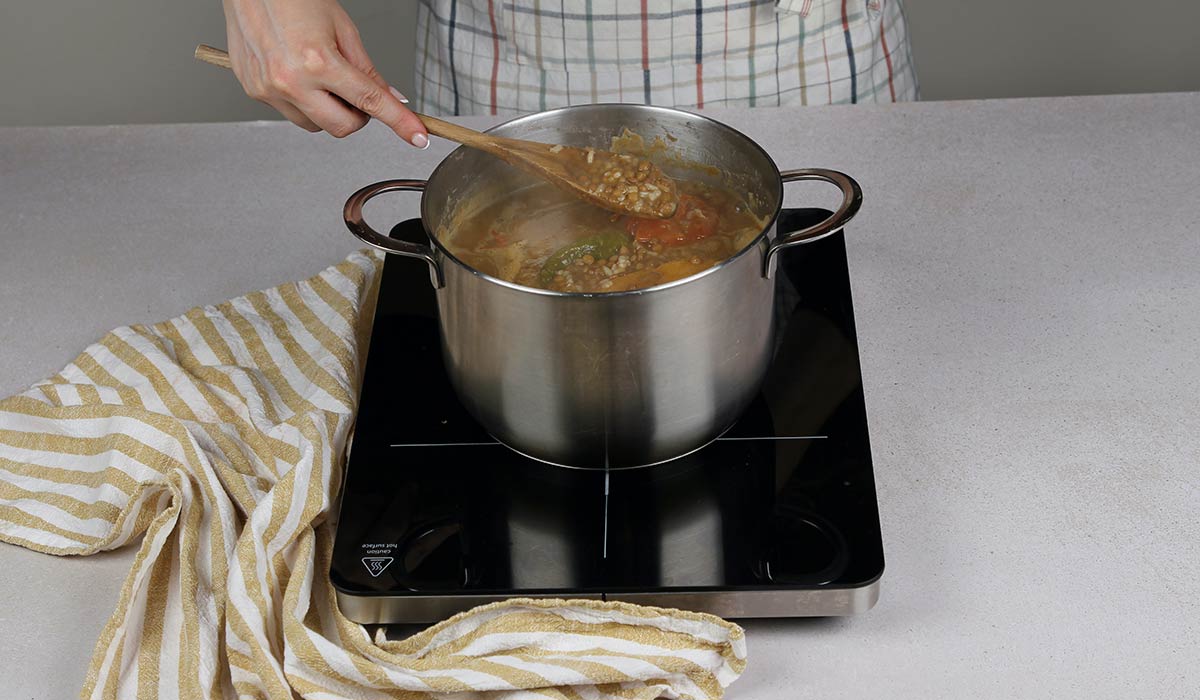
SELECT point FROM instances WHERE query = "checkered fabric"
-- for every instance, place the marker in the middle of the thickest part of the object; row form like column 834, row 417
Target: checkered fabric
column 497, row 57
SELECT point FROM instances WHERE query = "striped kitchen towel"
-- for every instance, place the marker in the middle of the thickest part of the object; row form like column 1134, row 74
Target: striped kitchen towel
column 218, row 437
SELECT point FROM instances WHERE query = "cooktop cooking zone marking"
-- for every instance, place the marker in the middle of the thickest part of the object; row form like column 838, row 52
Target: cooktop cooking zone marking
column 604, row 554
column 778, row 437
column 493, row 444
column 444, row 444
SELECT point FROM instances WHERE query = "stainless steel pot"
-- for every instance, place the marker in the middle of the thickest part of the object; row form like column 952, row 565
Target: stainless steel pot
column 617, row 379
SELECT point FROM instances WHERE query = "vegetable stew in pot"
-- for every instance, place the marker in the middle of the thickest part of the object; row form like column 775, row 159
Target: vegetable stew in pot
column 537, row 237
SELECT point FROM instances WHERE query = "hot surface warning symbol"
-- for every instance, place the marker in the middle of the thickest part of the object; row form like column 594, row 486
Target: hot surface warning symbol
column 376, row 565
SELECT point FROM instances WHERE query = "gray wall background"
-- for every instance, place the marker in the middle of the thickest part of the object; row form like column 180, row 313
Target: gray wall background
column 130, row 61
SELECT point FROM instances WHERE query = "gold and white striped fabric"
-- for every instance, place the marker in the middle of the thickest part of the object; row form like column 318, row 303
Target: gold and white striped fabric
column 217, row 437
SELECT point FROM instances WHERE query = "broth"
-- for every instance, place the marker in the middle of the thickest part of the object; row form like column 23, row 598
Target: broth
column 540, row 238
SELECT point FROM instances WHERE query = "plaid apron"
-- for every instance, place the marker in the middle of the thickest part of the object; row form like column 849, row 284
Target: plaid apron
column 516, row 56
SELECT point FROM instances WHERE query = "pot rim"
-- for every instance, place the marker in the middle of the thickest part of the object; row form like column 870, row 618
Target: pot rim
column 753, row 243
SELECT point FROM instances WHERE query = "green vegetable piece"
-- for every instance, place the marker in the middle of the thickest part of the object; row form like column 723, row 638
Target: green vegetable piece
column 601, row 245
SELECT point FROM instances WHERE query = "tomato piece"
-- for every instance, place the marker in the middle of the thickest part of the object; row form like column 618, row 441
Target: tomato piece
column 654, row 230
column 694, row 220
column 495, row 239
column 700, row 222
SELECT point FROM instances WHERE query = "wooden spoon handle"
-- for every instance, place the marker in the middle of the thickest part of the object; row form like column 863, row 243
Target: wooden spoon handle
column 467, row 137
column 213, row 55
column 437, row 127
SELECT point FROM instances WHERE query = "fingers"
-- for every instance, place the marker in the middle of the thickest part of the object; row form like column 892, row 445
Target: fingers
column 376, row 99
column 332, row 87
column 350, row 45
column 299, row 95
column 306, row 59
column 294, row 115
column 332, row 93
column 330, row 113
column 387, row 100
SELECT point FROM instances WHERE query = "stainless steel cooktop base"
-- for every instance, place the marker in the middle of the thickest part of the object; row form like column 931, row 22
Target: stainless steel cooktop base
column 811, row 602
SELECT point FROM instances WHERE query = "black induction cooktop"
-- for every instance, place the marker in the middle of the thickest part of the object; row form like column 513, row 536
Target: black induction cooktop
column 777, row 518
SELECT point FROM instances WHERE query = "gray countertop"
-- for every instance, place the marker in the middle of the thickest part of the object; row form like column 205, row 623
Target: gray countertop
column 1026, row 280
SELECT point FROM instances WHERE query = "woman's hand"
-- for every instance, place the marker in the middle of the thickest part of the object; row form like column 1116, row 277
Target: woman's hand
column 305, row 59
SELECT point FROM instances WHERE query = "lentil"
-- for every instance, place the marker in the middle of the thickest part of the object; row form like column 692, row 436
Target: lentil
column 621, row 182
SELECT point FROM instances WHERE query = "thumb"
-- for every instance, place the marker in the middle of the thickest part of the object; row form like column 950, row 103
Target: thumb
column 350, row 44
column 385, row 103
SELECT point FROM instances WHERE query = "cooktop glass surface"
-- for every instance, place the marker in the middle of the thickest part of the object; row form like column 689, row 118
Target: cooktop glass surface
column 433, row 508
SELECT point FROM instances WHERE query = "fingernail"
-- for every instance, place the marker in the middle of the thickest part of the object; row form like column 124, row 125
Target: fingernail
column 399, row 95
column 420, row 141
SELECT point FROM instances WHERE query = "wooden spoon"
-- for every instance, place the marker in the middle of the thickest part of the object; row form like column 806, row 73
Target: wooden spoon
column 614, row 181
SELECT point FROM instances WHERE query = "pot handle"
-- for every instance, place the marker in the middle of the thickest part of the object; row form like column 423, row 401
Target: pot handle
column 851, row 201
column 353, row 214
